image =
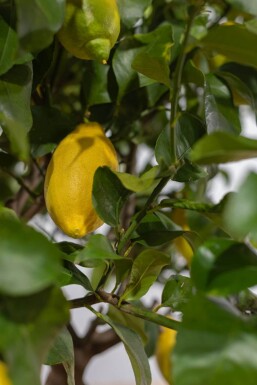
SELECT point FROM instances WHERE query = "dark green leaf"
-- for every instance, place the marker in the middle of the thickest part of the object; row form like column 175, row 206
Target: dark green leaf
column 95, row 84
column 8, row 46
column 215, row 346
column 177, row 292
column 233, row 41
column 221, row 147
column 241, row 210
column 145, row 270
column 37, row 32
column 36, row 260
column 135, row 351
column 109, row 195
column 189, row 172
column 15, row 114
column 223, row 266
column 62, row 352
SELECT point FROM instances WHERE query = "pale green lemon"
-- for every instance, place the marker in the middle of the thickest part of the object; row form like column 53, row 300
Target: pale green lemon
column 90, row 28
column 69, row 178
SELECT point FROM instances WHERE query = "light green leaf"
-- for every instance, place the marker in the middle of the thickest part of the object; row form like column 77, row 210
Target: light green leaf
column 15, row 114
column 139, row 184
column 240, row 214
column 36, row 260
column 221, row 147
column 62, row 352
column 145, row 270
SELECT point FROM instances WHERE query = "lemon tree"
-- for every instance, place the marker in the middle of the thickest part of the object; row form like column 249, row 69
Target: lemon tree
column 116, row 120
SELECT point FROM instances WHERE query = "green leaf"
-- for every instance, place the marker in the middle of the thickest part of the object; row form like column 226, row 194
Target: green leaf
column 95, row 87
column 221, row 147
column 98, row 247
column 145, row 270
column 139, row 184
column 240, row 214
column 132, row 10
column 177, row 291
column 222, row 266
column 25, row 347
column 109, row 195
column 135, row 351
column 215, row 346
column 156, row 229
column 8, row 46
column 37, row 32
column 62, row 352
column 233, row 41
column 153, row 61
column 245, row 5
column 219, row 110
column 15, row 114
column 36, row 260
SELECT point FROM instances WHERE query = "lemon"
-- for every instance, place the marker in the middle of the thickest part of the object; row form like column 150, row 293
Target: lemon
column 165, row 344
column 69, row 178
column 90, row 28
column 183, row 247
column 4, row 378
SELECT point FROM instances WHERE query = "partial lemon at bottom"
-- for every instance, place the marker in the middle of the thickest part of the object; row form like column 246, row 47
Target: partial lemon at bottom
column 165, row 345
column 4, row 377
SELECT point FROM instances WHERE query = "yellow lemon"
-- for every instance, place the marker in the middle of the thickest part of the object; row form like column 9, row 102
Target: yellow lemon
column 165, row 344
column 69, row 178
column 90, row 28
column 183, row 247
column 4, row 377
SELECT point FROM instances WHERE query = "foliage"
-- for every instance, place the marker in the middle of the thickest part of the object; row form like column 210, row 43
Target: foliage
column 174, row 85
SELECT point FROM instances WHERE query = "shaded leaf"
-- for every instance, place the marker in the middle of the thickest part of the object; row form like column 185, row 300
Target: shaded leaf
column 132, row 10
column 109, row 195
column 177, row 292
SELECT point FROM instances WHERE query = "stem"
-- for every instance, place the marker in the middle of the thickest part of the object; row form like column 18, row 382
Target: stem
column 134, row 224
column 174, row 99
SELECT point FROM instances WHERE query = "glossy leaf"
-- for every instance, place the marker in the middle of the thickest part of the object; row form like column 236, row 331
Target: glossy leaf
column 223, row 266
column 25, row 347
column 145, row 270
column 37, row 32
column 215, row 345
column 109, row 195
column 135, row 351
column 233, row 41
column 36, row 260
column 221, row 147
column 240, row 213
column 95, row 85
column 62, row 352
column 8, row 46
column 15, row 114
column 177, row 292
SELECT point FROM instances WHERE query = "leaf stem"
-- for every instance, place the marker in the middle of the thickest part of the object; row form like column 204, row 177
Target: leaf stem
column 174, row 95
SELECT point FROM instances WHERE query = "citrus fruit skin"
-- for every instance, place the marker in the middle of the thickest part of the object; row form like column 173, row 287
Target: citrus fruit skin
column 4, row 378
column 69, row 178
column 183, row 247
column 90, row 28
column 165, row 345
